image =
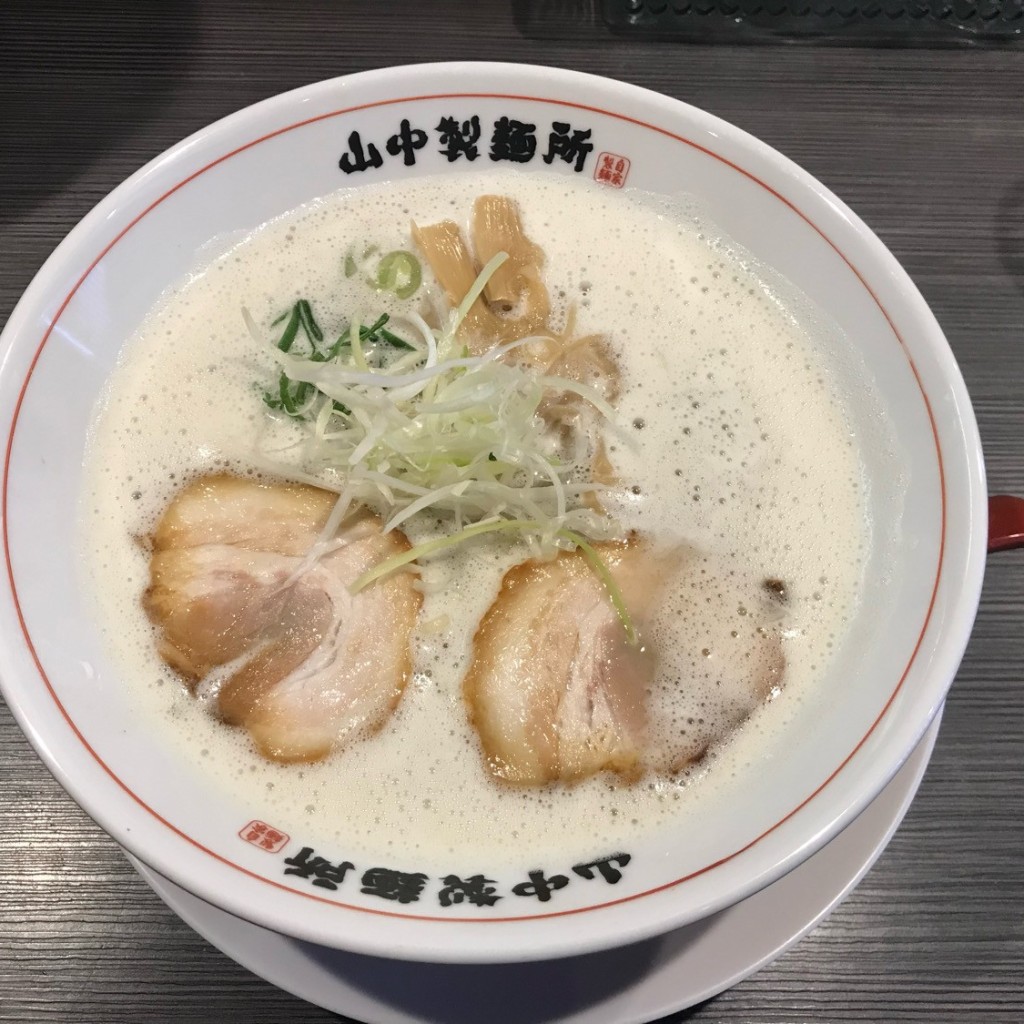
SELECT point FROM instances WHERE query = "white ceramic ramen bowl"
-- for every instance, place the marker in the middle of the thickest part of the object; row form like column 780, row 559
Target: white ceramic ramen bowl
column 927, row 503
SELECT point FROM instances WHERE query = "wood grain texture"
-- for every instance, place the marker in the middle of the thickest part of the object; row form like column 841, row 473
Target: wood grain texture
column 927, row 146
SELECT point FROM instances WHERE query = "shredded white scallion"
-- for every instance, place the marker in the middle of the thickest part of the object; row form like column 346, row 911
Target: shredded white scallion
column 432, row 429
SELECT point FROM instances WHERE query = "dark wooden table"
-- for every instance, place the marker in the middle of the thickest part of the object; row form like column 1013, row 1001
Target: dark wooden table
column 927, row 145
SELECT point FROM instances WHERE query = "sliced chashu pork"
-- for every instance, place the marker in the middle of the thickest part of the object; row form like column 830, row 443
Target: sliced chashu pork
column 557, row 693
column 301, row 663
column 555, row 690
column 728, row 658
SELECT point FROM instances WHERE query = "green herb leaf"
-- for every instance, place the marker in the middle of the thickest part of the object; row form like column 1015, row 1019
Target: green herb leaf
column 309, row 324
column 287, row 339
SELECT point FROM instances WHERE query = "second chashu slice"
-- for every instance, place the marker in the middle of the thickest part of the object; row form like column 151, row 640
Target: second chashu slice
column 555, row 689
column 557, row 692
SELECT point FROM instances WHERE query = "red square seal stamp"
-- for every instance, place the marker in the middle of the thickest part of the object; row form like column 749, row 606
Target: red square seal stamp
column 612, row 169
column 265, row 836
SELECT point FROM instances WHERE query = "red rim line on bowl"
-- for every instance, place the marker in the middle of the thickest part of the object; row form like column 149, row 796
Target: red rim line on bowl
column 1005, row 522
column 1019, row 539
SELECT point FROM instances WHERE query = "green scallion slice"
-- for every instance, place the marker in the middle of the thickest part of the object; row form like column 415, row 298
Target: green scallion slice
column 399, row 272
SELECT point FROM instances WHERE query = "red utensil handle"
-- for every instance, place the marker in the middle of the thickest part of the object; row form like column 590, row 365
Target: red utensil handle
column 1005, row 522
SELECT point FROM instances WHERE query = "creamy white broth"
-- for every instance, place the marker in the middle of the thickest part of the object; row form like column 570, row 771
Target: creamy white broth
column 733, row 439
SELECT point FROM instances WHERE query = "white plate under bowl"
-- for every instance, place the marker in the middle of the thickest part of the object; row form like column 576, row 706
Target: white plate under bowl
column 630, row 985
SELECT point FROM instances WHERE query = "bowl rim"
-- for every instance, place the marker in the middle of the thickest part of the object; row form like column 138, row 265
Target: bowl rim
column 947, row 650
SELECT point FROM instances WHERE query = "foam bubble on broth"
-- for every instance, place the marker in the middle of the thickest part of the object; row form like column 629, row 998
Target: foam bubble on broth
column 735, row 441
